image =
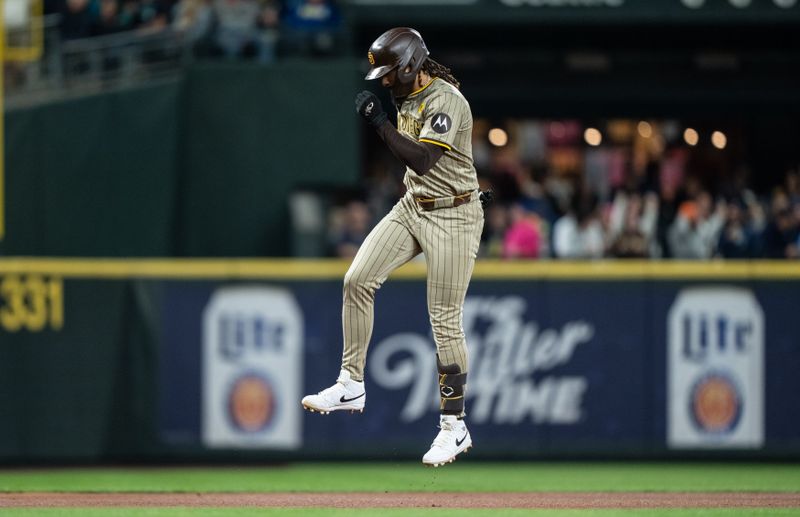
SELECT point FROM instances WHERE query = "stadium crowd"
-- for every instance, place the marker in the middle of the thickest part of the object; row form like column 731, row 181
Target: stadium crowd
column 647, row 195
column 242, row 29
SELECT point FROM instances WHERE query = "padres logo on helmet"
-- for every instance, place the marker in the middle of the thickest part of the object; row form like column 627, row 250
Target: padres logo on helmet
column 371, row 58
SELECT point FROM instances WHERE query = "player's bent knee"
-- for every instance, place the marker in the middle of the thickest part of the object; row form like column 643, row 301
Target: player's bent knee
column 357, row 284
column 443, row 332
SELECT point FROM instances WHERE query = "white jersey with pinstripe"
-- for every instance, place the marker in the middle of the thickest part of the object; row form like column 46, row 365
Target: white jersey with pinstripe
column 448, row 237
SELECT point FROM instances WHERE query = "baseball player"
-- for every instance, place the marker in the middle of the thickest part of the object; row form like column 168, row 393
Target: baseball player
column 441, row 215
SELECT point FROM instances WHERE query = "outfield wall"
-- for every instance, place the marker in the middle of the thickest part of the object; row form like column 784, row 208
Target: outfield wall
column 201, row 359
column 201, row 166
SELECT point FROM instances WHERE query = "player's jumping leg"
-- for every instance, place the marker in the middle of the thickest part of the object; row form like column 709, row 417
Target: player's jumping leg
column 388, row 246
column 451, row 245
column 453, row 437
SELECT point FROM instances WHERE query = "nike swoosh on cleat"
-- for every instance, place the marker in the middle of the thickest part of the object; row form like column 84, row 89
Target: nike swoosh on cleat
column 342, row 399
column 459, row 442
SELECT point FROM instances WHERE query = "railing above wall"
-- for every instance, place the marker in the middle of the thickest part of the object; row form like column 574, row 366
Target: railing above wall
column 70, row 67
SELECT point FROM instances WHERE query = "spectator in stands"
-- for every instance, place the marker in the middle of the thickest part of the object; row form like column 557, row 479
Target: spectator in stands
column 76, row 19
column 523, row 239
column 193, row 20
column 632, row 225
column 268, row 31
column 578, row 234
column 781, row 234
column 695, row 232
column 561, row 190
column 108, row 20
column 236, row 33
column 668, row 203
column 739, row 237
column 533, row 196
column 681, row 221
column 106, row 23
column 154, row 15
column 130, row 15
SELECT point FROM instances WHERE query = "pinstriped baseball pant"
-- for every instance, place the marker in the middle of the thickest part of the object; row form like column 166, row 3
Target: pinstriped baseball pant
column 449, row 238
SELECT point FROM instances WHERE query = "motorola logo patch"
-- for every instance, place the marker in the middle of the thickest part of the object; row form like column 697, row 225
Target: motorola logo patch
column 441, row 123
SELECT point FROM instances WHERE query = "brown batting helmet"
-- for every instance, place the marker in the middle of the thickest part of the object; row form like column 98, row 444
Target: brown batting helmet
column 399, row 48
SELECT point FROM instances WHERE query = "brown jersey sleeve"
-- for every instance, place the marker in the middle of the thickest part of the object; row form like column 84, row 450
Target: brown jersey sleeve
column 419, row 156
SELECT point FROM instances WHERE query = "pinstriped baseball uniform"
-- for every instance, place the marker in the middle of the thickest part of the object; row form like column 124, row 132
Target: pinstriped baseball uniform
column 448, row 235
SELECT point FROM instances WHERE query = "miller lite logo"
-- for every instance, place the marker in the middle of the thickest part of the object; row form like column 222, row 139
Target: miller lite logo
column 252, row 367
column 715, row 363
column 371, row 58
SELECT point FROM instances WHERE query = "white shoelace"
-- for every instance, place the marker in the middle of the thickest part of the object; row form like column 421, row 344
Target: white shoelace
column 326, row 391
column 441, row 438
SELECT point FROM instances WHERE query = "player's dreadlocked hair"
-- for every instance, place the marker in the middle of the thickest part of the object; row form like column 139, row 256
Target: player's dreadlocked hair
column 435, row 69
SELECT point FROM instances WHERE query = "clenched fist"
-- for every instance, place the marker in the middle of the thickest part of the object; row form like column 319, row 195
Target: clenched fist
column 369, row 106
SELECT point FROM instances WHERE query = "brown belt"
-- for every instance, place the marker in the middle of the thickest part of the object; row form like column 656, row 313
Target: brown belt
column 430, row 203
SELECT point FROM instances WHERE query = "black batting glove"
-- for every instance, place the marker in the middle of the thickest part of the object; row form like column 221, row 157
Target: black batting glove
column 486, row 197
column 369, row 106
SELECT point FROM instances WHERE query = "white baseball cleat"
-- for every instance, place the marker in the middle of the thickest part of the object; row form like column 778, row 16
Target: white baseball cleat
column 345, row 394
column 452, row 440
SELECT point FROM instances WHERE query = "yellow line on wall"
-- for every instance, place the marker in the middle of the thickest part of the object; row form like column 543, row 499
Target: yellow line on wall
column 331, row 269
column 176, row 268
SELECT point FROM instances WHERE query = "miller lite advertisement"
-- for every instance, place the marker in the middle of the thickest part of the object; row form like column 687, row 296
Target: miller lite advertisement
column 554, row 369
column 252, row 369
column 715, row 369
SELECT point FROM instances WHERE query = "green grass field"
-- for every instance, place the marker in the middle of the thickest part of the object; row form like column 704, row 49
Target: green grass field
column 410, row 477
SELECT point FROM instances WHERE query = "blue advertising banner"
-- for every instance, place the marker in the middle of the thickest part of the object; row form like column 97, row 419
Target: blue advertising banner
column 203, row 359
column 566, row 367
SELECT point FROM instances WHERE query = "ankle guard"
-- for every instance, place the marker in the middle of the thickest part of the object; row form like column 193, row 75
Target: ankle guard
column 451, row 388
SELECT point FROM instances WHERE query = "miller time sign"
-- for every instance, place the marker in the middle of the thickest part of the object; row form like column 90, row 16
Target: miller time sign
column 715, row 369
column 514, row 373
